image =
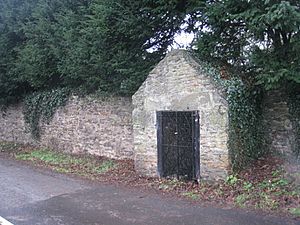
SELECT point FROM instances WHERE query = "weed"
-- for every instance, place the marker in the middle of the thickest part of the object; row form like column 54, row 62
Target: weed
column 279, row 182
column 9, row 146
column 164, row 187
column 63, row 162
column 281, row 192
column 105, row 166
column 241, row 199
column 294, row 193
column 247, row 186
column 295, row 211
column 62, row 170
column 202, row 189
column 264, row 184
column 191, row 195
column 219, row 192
column 232, row 180
column 47, row 156
column 23, row 156
column 266, row 202
column 276, row 173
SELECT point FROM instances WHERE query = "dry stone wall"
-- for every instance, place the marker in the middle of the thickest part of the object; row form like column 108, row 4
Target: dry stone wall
column 85, row 125
column 12, row 126
column 279, row 131
column 115, row 128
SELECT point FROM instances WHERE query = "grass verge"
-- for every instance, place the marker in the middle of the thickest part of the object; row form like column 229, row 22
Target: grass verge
column 66, row 163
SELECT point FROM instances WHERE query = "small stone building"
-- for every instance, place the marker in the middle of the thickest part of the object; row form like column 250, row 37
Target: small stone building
column 180, row 122
column 175, row 125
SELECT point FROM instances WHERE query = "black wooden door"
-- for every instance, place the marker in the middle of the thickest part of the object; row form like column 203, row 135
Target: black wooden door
column 178, row 144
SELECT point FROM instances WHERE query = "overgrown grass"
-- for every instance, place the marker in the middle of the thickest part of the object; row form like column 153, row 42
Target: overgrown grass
column 268, row 194
column 66, row 163
column 295, row 211
column 10, row 147
column 240, row 200
column 49, row 157
column 273, row 193
column 190, row 194
column 105, row 166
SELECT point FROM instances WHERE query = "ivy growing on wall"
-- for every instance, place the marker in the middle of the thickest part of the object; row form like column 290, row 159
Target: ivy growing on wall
column 245, row 118
column 294, row 109
column 245, row 124
column 41, row 106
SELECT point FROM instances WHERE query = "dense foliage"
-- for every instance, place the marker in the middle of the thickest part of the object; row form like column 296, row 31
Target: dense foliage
column 260, row 37
column 85, row 45
column 109, row 46
column 12, row 14
column 261, row 40
column 41, row 106
column 245, row 118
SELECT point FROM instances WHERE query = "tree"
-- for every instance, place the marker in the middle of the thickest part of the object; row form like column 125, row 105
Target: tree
column 13, row 13
column 120, row 41
column 42, row 52
column 258, row 37
column 92, row 45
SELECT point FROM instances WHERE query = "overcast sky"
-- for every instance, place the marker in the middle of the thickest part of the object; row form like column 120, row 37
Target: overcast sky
column 183, row 40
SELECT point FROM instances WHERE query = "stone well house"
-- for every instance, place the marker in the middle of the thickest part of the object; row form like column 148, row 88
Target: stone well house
column 180, row 122
column 176, row 124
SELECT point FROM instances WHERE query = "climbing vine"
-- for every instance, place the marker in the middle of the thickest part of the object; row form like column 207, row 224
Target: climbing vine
column 41, row 106
column 245, row 124
column 245, row 118
column 294, row 109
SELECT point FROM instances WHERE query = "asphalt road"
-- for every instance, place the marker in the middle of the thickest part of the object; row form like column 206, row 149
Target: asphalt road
column 32, row 196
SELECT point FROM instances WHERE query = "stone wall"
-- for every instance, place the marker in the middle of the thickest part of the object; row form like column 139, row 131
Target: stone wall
column 12, row 126
column 85, row 125
column 114, row 128
column 279, row 133
column 176, row 84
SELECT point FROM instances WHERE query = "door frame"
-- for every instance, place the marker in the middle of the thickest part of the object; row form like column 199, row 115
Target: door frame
column 196, row 144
